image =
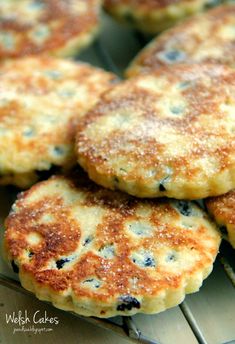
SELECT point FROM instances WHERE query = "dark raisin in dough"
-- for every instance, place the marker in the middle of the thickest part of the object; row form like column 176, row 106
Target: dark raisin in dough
column 128, row 302
column 60, row 263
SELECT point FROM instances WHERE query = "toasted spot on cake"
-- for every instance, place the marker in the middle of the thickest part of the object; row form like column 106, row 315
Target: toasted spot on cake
column 154, row 16
column 37, row 124
column 57, row 27
column 132, row 140
column 103, row 253
column 222, row 209
column 204, row 38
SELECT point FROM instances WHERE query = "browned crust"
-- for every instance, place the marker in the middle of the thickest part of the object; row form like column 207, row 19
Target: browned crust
column 64, row 25
column 188, row 38
column 223, row 208
column 31, row 97
column 201, row 128
column 153, row 16
column 61, row 237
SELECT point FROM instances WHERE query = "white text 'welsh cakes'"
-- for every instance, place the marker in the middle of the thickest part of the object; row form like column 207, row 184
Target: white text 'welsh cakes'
column 168, row 133
column 41, row 101
column 208, row 37
column 222, row 208
column 46, row 26
column 153, row 16
column 102, row 253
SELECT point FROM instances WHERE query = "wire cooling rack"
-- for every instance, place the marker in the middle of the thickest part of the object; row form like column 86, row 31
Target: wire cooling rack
column 113, row 54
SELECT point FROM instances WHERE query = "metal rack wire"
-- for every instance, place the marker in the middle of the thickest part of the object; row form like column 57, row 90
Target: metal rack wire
column 127, row 326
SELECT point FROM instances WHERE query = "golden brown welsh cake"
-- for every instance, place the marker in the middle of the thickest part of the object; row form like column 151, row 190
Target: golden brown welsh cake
column 57, row 27
column 41, row 101
column 103, row 253
column 222, row 208
column 208, row 37
column 168, row 133
column 153, row 16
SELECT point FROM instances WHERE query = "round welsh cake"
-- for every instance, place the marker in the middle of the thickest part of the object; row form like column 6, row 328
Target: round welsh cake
column 168, row 133
column 41, row 101
column 208, row 37
column 222, row 209
column 103, row 253
column 153, row 16
column 58, row 27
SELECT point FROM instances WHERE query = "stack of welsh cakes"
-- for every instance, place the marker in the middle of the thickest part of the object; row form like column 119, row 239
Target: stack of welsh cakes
column 116, row 229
